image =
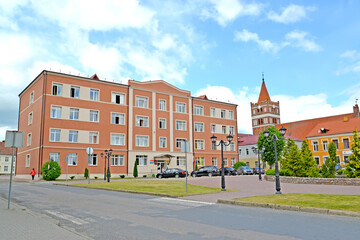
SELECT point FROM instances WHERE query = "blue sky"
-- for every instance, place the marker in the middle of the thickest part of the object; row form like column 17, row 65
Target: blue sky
column 309, row 51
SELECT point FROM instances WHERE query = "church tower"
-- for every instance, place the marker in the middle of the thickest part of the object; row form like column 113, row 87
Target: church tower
column 264, row 113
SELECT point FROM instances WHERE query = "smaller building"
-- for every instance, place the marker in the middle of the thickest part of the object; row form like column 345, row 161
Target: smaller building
column 5, row 159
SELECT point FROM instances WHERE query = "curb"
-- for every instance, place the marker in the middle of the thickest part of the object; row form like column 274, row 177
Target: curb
column 291, row 208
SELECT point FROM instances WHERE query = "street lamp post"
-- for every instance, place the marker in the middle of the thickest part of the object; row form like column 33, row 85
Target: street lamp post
column 258, row 152
column 102, row 155
column 222, row 144
column 275, row 138
column 108, row 153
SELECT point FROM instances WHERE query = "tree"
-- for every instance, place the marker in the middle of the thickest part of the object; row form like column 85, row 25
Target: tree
column 86, row 173
column 50, row 171
column 310, row 166
column 239, row 164
column 352, row 169
column 135, row 173
column 328, row 168
column 291, row 160
column 269, row 153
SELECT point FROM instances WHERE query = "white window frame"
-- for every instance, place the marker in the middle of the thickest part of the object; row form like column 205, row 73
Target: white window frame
column 118, row 96
column 232, row 146
column 198, row 127
column 54, row 156
column 75, row 90
column 94, row 95
column 56, row 112
column 141, row 102
column 117, row 160
column 94, row 116
column 28, row 140
column 213, row 128
column 180, row 161
column 162, row 105
column 55, row 135
column 180, row 107
column 178, row 142
column 233, row 161
column 30, row 118
column 162, row 142
column 214, row 161
column 212, row 112
column 223, row 129
column 74, row 114
column 222, row 113
column 119, row 116
column 231, row 114
column 315, row 146
column 199, row 144
column 117, row 139
column 94, row 160
column 142, row 141
column 31, row 100
column 325, row 145
column 93, row 137
column 72, row 159
column 162, row 123
column 348, row 143
column 142, row 121
column 58, row 89
column 73, row 136
column 231, row 130
column 181, row 125
column 27, row 160
column 142, row 160
column 198, row 110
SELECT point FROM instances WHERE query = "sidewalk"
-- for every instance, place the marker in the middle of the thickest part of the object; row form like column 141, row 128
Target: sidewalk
column 21, row 223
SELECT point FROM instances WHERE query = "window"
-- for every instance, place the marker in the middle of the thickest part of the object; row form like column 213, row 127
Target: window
column 162, row 142
column 212, row 112
column 240, row 151
column 30, row 119
column 232, row 146
column 325, row 145
column 214, row 161
column 94, row 95
column 346, row 143
column 315, row 146
column 94, row 116
column 142, row 141
column 54, row 157
column 54, row 135
column 118, row 118
column 72, row 159
column 212, row 128
column 162, row 105
column 225, row 162
column 231, row 114
column 6, row 159
column 55, row 112
column 57, row 89
column 162, row 123
column 117, row 160
column 27, row 161
column 222, row 115
column 93, row 137
column 247, row 151
column 141, row 160
column 180, row 107
column 31, row 98
column 346, row 159
column 213, row 146
column 93, row 160
column 336, row 142
column 142, row 102
column 231, row 130
column 142, row 121
column 198, row 110
column 28, row 142
column 233, row 161
column 73, row 136
column 199, row 127
column 74, row 114
column 74, row 92
column 117, row 139
column 118, row 98
column 223, row 129
column 178, row 142
column 324, row 159
column 317, row 160
column 200, row 161
column 180, row 125
column 180, row 161
column 6, row 168
column 199, row 144
column 338, row 159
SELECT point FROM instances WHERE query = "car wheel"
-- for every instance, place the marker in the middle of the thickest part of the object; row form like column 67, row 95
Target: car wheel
column 159, row 176
column 193, row 175
column 176, row 175
column 210, row 174
column 228, row 174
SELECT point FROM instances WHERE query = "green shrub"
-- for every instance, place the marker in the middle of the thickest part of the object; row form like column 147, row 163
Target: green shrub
column 72, row 177
column 284, row 172
column 270, row 172
column 50, row 171
column 153, row 175
column 144, row 176
column 96, row 177
column 122, row 176
column 86, row 173
column 239, row 164
column 340, row 172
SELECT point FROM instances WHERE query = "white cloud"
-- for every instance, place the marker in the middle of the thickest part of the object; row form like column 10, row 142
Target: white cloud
column 302, row 40
column 290, row 14
column 350, row 62
column 246, row 36
column 226, row 11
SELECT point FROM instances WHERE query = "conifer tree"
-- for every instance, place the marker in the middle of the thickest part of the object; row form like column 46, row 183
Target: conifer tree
column 352, row 169
column 308, row 161
column 292, row 160
column 135, row 173
column 328, row 168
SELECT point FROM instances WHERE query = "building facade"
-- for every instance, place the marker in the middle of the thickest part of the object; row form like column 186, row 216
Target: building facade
column 5, row 159
column 61, row 115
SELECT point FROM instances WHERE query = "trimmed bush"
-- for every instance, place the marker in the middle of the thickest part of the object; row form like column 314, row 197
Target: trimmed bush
column 72, row 177
column 239, row 164
column 153, row 175
column 122, row 176
column 96, row 178
column 284, row 172
column 50, row 171
column 144, row 176
column 270, row 172
column 340, row 172
column 86, row 173
column 135, row 173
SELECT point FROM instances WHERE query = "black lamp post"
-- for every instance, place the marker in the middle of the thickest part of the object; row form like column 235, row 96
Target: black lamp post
column 275, row 138
column 102, row 155
column 258, row 152
column 108, row 153
column 222, row 144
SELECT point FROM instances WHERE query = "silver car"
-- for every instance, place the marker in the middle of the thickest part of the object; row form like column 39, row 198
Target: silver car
column 245, row 170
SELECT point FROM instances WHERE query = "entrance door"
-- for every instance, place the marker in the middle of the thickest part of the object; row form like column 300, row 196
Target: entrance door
column 160, row 166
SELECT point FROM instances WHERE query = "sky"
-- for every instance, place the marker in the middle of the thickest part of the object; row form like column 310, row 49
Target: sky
column 309, row 51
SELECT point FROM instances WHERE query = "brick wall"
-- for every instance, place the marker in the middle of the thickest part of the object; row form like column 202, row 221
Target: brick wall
column 325, row 181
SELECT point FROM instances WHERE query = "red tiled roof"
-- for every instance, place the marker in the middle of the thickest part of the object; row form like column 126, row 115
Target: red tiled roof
column 5, row 150
column 251, row 140
column 203, row 97
column 264, row 95
column 335, row 127
column 95, row 77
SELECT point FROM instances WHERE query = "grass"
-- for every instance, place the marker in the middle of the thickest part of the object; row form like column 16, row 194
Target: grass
column 176, row 188
column 327, row 201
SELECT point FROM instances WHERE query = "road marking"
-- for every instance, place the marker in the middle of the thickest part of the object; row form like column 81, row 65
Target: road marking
column 70, row 218
column 183, row 202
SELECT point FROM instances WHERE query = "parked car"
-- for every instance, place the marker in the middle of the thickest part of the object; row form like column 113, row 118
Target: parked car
column 229, row 171
column 256, row 170
column 172, row 172
column 245, row 170
column 206, row 171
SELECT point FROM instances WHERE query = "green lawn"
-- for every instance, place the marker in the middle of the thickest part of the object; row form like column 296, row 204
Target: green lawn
column 165, row 187
column 328, row 201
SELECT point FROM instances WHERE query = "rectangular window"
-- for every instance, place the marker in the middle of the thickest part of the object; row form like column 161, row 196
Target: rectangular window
column 54, row 157
column 231, row 130
column 118, row 118
column 74, row 92
column 232, row 146
column 315, row 146
column 31, row 98
column 94, row 116
column 214, row 161
column 162, row 105
column 198, row 110
column 55, row 112
column 6, row 159
column 28, row 142
column 317, row 160
column 324, row 159
column 222, row 115
column 27, row 161
column 142, row 141
column 118, row 98
column 212, row 128
column 141, row 102
column 336, row 142
column 117, row 160
column 162, row 142
column 231, row 114
column 74, row 114
column 94, row 95
column 181, row 107
column 346, row 143
column 141, row 160
column 212, row 112
column 346, row 159
column 93, row 137
column 180, row 161
column 199, row 127
column 200, row 161
column 6, row 168
column 223, row 129
column 162, row 123
column 73, row 136
column 93, row 160
column 57, row 89
column 325, row 145
column 179, row 142
column 54, row 135
column 181, row 125
column 117, row 139
column 142, row 121
column 225, row 162
column 199, row 144
column 247, row 151
column 30, row 119
column 213, row 146
column 233, row 162
column 72, row 159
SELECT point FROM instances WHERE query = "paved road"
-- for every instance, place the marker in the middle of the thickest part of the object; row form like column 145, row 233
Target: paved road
column 102, row 214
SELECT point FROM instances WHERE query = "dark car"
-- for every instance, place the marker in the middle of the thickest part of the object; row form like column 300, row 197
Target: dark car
column 172, row 172
column 229, row 171
column 256, row 170
column 245, row 170
column 206, row 171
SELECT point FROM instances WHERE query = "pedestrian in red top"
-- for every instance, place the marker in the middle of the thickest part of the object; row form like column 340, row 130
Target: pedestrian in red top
column 32, row 173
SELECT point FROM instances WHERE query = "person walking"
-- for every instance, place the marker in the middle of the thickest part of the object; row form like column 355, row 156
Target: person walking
column 32, row 173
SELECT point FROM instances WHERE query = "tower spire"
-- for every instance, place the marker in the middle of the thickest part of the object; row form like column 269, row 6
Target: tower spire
column 264, row 95
column 263, row 77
